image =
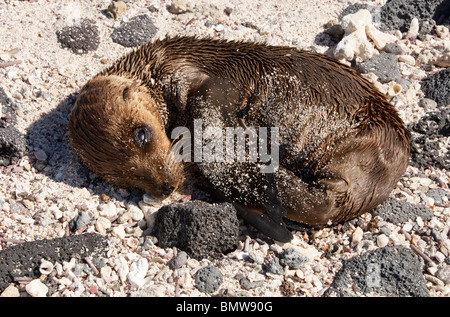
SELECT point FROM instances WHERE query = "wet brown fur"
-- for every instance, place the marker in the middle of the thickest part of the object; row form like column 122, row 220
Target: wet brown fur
column 327, row 179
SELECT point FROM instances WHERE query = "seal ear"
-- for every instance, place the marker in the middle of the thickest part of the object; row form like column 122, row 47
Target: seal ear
column 129, row 90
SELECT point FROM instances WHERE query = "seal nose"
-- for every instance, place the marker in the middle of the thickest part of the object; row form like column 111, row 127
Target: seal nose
column 167, row 189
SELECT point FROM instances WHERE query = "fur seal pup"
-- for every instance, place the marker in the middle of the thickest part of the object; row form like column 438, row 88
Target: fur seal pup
column 342, row 145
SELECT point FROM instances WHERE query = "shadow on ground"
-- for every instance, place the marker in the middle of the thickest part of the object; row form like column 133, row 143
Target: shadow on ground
column 49, row 134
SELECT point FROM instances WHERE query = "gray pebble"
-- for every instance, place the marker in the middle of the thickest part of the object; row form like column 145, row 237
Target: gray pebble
column 80, row 39
column 178, row 261
column 273, row 266
column 387, row 271
column 245, row 283
column 208, row 279
column 437, row 87
column 80, row 220
column 403, row 82
column 384, row 65
column 255, row 257
column 397, row 14
column 40, row 155
column 444, row 274
column 182, row 225
column 393, row 48
column 436, row 235
column 437, row 194
column 293, row 259
column 397, row 211
column 428, row 104
column 138, row 30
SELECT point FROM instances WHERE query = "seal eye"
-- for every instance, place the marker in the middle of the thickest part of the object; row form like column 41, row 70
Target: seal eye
column 142, row 136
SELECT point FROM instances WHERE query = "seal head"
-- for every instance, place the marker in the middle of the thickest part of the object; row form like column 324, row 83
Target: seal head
column 117, row 132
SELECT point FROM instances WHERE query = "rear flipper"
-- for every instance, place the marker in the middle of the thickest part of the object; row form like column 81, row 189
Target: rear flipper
column 262, row 220
column 269, row 217
column 265, row 213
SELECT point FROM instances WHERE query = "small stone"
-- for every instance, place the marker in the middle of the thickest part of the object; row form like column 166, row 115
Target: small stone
column 40, row 155
column 228, row 11
column 442, row 31
column 388, row 271
column 393, row 48
column 420, row 222
column 208, row 279
column 178, row 7
column 428, row 104
column 357, row 235
column 182, row 225
column 46, row 267
column 36, row 288
column 154, row 7
column 153, row 291
column 138, row 30
column 273, row 266
column 444, row 274
column 435, row 87
column 116, row 8
column 245, row 283
column 122, row 268
column 104, row 197
column 119, row 232
column 383, row 65
column 13, row 145
column 437, row 194
column 10, row 291
column 178, row 261
column 80, row 38
column 439, row 257
column 408, row 226
column 414, row 27
column 408, row 59
column 219, row 28
column 436, row 235
column 81, row 220
column 134, row 211
column 93, row 289
column 382, row 240
column 105, row 272
column 102, row 224
column 397, row 211
column 255, row 257
column 138, row 270
column 109, row 210
column 293, row 259
column 150, row 213
column 22, row 190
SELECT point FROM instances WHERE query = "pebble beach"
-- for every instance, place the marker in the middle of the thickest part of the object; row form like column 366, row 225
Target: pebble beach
column 87, row 238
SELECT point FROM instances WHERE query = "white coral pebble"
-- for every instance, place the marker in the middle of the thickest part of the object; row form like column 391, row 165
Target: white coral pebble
column 137, row 273
column 358, row 29
column 36, row 288
column 379, row 38
column 355, row 40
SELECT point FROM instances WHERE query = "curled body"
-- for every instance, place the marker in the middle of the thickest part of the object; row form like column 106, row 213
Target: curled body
column 342, row 145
